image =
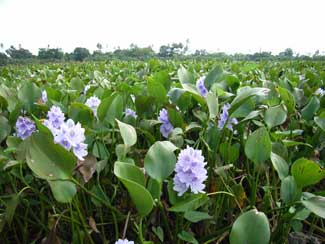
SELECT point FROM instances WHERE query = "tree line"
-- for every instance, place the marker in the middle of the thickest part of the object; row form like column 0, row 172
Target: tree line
column 15, row 55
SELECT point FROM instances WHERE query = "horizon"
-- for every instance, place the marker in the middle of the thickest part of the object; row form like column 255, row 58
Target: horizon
column 250, row 27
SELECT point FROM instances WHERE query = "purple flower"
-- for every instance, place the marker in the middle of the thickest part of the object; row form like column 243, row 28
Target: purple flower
column 166, row 128
column 44, row 96
column 80, row 151
column 163, row 116
column 190, row 171
column 130, row 112
column 125, row 241
column 24, row 127
column 55, row 117
column 72, row 136
column 232, row 122
column 93, row 103
column 320, row 92
column 67, row 134
column 201, row 87
column 224, row 116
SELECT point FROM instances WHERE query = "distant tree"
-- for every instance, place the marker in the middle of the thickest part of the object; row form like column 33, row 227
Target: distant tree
column 260, row 56
column 80, row 53
column 165, row 51
column 201, row 52
column 99, row 47
column 20, row 53
column 50, row 54
column 287, row 53
column 3, row 59
column 175, row 49
column 186, row 47
column 316, row 54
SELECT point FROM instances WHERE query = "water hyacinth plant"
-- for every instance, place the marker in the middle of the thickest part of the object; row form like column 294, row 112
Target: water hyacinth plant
column 55, row 118
column 166, row 128
column 190, row 171
column 24, row 127
column 72, row 136
column 238, row 157
column 224, row 118
column 201, row 87
column 93, row 103
column 131, row 113
column 68, row 134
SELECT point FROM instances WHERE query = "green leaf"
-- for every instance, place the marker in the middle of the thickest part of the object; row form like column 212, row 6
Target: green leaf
column 185, row 76
column 174, row 94
column 275, row 116
column 188, row 83
column 229, row 153
column 316, row 205
column 160, row 160
column 128, row 133
column 163, row 78
column 172, row 196
column 100, row 166
column 4, row 128
column 28, row 94
column 280, row 165
column 42, row 128
column 320, row 121
column 310, row 109
column 191, row 88
column 244, row 109
column 158, row 91
column 154, row 187
column 306, row 172
column 287, row 98
column 289, row 143
column 287, row 133
column 212, row 102
column 189, row 204
column 48, row 160
column 159, row 232
column 144, row 105
column 76, row 84
column 186, row 236
column 133, row 179
column 81, row 113
column 213, row 76
column 258, row 146
column 289, row 191
column 63, row 191
column 110, row 108
column 252, row 115
column 10, row 95
column 245, row 93
column 251, row 227
column 175, row 118
column 11, row 206
column 196, row 216
column 130, row 172
column 100, row 150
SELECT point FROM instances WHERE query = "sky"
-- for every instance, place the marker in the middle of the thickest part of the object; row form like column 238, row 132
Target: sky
column 231, row 26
